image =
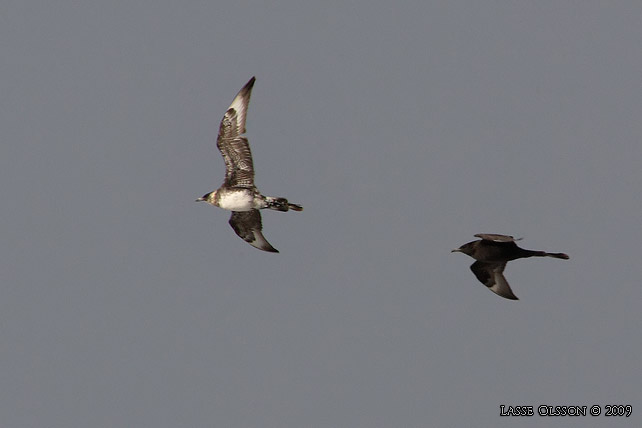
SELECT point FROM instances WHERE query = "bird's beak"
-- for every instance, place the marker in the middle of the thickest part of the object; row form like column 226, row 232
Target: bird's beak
column 456, row 250
column 199, row 200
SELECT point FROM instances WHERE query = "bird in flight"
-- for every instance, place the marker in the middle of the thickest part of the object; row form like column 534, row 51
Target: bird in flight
column 492, row 253
column 238, row 192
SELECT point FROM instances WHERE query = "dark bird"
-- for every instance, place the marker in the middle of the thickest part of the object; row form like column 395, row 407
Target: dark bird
column 238, row 192
column 492, row 253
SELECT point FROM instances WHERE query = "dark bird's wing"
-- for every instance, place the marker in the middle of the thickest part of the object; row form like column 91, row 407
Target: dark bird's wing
column 233, row 145
column 492, row 276
column 495, row 237
column 247, row 225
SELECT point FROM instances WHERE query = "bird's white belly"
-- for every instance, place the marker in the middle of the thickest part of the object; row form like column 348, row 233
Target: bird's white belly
column 237, row 200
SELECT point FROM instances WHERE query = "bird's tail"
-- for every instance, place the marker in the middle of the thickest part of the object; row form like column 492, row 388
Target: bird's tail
column 558, row 255
column 545, row 254
column 281, row 204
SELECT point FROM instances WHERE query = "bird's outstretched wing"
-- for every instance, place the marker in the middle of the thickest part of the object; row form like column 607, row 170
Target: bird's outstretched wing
column 492, row 276
column 247, row 225
column 233, row 145
column 496, row 237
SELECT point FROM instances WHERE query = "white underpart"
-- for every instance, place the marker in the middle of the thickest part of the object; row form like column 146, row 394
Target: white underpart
column 236, row 201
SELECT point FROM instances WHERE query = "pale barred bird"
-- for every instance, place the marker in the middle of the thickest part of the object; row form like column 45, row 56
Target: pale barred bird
column 492, row 253
column 238, row 192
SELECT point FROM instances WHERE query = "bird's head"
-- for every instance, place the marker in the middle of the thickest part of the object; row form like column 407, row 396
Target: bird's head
column 209, row 198
column 468, row 249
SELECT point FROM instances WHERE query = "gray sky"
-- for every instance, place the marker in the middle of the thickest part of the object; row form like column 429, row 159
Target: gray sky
column 403, row 128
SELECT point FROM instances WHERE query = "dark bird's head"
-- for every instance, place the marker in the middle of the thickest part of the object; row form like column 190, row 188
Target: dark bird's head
column 468, row 249
column 209, row 198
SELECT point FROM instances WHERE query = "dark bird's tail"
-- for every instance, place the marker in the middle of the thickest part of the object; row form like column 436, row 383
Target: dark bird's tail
column 531, row 253
column 558, row 255
column 281, row 204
